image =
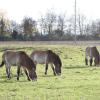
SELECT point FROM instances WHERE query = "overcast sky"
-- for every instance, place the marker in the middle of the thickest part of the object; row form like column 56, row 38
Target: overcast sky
column 17, row 9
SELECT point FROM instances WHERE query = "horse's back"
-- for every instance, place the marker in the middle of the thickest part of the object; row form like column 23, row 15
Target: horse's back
column 39, row 57
column 11, row 57
column 91, row 51
column 43, row 57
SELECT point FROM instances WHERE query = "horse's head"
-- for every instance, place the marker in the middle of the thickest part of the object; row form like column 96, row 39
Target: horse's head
column 32, row 75
column 27, row 62
column 32, row 72
column 57, row 64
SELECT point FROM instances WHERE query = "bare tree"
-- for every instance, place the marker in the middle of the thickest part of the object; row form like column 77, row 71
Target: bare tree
column 3, row 21
column 98, row 28
column 42, row 25
column 50, row 20
column 29, row 26
column 61, row 22
column 81, row 24
column 70, row 24
column 2, row 26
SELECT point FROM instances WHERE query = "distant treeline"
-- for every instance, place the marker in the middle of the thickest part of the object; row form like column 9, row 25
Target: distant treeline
column 66, row 37
column 50, row 26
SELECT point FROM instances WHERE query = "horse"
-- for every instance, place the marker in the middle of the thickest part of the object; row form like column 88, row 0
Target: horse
column 47, row 57
column 19, row 59
column 92, row 53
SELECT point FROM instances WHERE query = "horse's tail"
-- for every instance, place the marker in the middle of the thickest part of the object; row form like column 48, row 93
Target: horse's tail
column 2, row 63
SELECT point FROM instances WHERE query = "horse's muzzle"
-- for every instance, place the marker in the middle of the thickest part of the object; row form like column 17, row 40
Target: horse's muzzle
column 58, row 74
column 35, row 79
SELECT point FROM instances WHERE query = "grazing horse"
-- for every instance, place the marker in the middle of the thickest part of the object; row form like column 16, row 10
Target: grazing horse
column 19, row 59
column 92, row 52
column 47, row 57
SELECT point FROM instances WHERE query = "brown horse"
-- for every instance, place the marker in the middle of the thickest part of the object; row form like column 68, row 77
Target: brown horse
column 47, row 57
column 92, row 53
column 19, row 59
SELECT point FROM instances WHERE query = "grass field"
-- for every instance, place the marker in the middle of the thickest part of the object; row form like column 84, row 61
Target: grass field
column 77, row 82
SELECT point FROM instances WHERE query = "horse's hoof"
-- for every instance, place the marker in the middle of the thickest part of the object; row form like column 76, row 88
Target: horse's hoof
column 34, row 79
column 8, row 78
column 17, row 79
column 29, row 80
column 59, row 74
column 45, row 73
column 54, row 74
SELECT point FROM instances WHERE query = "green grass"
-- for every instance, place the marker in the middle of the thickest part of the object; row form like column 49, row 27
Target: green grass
column 77, row 82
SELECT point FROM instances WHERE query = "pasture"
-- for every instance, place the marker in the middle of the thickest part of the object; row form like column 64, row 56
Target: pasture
column 77, row 82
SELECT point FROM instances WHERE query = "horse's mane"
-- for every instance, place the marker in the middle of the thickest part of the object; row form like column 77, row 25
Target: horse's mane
column 25, row 60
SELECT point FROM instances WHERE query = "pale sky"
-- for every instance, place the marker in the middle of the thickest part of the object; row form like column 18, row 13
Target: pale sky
column 17, row 9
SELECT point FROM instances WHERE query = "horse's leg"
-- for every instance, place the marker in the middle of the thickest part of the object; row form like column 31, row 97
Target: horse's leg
column 21, row 72
column 91, row 60
column 35, row 64
column 8, row 71
column 86, row 61
column 18, row 72
column 26, row 74
column 46, row 68
column 53, row 69
column 94, row 62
